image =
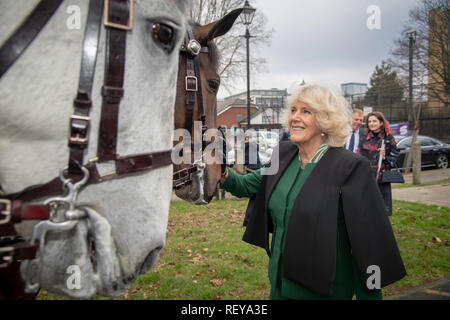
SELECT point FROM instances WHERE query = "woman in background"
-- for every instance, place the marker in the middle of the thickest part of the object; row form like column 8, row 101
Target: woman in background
column 371, row 148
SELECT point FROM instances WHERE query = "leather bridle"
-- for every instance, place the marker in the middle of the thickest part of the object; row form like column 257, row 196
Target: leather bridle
column 118, row 20
column 191, row 48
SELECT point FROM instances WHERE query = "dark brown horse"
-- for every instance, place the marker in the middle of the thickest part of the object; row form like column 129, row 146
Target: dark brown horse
column 200, row 190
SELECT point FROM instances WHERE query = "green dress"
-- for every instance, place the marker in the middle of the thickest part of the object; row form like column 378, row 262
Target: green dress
column 346, row 282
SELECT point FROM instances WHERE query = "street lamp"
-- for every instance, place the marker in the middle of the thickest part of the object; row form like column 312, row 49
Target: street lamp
column 412, row 40
column 414, row 154
column 247, row 15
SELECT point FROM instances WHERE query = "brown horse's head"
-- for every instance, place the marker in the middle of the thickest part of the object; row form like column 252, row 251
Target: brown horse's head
column 204, row 182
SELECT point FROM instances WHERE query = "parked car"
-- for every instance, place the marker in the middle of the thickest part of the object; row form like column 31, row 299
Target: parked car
column 434, row 152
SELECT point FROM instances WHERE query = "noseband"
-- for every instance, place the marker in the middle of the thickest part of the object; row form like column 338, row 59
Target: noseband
column 118, row 20
column 191, row 48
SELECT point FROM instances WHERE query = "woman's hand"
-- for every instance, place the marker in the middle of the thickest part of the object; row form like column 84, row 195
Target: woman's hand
column 382, row 152
column 224, row 176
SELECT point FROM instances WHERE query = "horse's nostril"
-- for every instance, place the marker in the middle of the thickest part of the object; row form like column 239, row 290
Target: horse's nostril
column 150, row 260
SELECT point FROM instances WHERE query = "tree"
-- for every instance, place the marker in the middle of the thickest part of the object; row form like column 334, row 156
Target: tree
column 232, row 47
column 431, row 76
column 431, row 61
column 385, row 87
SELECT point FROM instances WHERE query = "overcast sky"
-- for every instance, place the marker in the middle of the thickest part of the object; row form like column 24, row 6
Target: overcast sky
column 326, row 41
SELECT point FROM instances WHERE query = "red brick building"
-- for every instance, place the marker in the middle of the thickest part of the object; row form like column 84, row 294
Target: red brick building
column 230, row 113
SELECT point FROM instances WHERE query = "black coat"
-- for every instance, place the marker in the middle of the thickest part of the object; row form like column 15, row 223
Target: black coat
column 309, row 256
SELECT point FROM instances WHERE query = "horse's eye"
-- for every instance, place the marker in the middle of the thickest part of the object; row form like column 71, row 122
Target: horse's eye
column 213, row 85
column 162, row 33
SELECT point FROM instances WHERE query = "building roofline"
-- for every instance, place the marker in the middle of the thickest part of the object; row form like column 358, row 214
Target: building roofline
column 256, row 90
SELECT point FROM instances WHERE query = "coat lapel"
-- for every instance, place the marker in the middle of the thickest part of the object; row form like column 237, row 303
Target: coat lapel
column 288, row 150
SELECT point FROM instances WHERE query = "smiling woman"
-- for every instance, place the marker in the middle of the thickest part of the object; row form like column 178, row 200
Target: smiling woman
column 330, row 229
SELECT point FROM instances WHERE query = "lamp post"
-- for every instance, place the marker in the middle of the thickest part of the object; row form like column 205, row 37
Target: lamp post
column 247, row 15
column 412, row 40
column 414, row 154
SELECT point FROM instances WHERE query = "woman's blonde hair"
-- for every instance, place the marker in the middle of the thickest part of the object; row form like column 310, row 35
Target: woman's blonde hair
column 332, row 111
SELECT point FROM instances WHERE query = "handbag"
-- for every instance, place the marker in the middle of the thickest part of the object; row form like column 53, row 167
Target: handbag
column 392, row 176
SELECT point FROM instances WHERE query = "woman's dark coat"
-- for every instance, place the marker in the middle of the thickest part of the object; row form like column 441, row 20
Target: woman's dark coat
column 309, row 256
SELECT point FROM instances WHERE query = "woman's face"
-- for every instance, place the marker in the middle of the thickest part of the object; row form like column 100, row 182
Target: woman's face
column 302, row 124
column 374, row 124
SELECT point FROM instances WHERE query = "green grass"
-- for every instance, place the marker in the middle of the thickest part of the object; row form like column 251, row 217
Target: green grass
column 422, row 234
column 205, row 258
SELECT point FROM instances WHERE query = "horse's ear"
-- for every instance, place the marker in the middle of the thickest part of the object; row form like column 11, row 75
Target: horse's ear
column 218, row 28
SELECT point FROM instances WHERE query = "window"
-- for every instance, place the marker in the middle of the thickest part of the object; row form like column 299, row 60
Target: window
column 436, row 142
column 405, row 143
column 277, row 102
column 425, row 142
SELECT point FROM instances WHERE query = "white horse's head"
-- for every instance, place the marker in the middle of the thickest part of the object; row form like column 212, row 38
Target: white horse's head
column 127, row 217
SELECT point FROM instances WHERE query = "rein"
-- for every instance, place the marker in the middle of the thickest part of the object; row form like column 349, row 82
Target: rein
column 118, row 20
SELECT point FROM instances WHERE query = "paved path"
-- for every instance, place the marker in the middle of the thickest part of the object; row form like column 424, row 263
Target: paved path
column 438, row 195
column 435, row 290
column 427, row 176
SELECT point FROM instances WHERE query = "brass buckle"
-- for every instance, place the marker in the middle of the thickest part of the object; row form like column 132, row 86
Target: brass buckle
column 78, row 138
column 116, row 25
column 5, row 214
column 6, row 256
column 195, row 89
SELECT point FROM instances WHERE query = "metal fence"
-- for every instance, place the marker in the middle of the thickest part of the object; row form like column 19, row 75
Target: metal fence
column 434, row 121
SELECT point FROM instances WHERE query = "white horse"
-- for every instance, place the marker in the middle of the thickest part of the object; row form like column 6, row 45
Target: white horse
column 126, row 217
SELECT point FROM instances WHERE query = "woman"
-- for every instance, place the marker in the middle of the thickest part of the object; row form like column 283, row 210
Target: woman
column 320, row 191
column 371, row 148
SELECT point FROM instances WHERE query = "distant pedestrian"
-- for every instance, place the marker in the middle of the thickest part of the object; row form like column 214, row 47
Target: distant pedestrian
column 356, row 135
column 378, row 131
column 285, row 135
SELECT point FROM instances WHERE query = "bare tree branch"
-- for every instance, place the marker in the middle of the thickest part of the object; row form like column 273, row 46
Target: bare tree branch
column 231, row 46
column 431, row 20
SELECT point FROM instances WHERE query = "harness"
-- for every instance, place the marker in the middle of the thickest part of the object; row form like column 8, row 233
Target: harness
column 118, row 20
column 191, row 48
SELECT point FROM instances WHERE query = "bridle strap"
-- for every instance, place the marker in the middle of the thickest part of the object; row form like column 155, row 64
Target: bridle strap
column 16, row 45
column 112, row 90
column 193, row 87
column 80, row 120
